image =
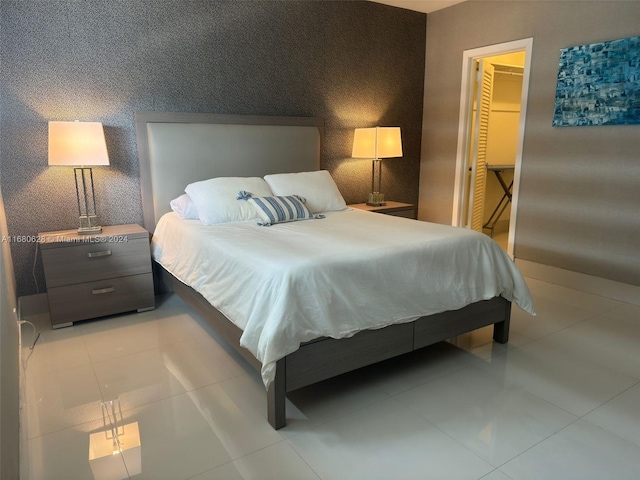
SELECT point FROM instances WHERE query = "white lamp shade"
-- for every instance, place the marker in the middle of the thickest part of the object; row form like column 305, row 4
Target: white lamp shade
column 364, row 143
column 77, row 143
column 377, row 142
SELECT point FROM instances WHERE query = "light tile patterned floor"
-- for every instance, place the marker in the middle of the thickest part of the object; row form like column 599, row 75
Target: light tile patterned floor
column 560, row 401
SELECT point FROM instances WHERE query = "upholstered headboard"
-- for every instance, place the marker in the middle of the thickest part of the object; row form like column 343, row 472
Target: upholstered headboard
column 175, row 149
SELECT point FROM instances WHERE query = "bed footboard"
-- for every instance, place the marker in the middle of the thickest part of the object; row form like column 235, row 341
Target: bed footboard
column 325, row 358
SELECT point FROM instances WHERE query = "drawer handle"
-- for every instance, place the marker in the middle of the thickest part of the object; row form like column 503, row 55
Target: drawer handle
column 100, row 291
column 105, row 253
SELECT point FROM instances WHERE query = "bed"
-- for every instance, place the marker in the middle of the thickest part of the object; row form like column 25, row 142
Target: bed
column 177, row 149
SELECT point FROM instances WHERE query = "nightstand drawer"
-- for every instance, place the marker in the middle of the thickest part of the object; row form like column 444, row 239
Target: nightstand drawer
column 100, row 298
column 69, row 265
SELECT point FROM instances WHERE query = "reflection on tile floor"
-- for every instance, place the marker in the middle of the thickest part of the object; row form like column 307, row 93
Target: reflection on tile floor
column 560, row 400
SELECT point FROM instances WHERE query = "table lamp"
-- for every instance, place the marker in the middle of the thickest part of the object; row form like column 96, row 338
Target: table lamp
column 81, row 145
column 377, row 143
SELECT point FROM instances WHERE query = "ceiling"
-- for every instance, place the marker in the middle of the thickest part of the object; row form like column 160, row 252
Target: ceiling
column 424, row 6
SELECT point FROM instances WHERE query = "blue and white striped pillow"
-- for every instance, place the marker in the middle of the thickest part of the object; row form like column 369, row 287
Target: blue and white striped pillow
column 280, row 209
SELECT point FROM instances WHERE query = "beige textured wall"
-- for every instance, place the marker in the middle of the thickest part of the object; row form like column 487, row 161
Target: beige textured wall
column 579, row 195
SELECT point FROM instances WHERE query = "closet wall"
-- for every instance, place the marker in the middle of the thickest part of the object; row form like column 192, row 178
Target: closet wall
column 503, row 135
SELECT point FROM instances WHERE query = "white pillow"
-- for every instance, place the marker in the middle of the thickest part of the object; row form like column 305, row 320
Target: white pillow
column 184, row 206
column 215, row 199
column 318, row 188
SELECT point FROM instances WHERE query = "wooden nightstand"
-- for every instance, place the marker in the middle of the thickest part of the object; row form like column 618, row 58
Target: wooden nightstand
column 91, row 276
column 397, row 209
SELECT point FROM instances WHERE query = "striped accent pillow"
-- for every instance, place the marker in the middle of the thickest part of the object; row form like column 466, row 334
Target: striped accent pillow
column 280, row 209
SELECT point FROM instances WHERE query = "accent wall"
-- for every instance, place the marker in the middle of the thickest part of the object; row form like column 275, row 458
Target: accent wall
column 354, row 64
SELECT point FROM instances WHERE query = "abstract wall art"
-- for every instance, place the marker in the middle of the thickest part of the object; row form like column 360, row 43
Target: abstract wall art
column 599, row 84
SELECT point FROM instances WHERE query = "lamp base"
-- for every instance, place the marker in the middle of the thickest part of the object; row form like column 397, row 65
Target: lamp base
column 376, row 199
column 89, row 225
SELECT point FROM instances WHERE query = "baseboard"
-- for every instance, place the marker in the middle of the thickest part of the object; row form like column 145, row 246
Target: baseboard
column 604, row 287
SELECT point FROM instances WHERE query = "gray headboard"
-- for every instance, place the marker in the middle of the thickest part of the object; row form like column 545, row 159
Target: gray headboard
column 175, row 149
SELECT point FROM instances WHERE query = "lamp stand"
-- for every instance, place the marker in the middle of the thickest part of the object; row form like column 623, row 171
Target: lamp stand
column 376, row 199
column 86, row 201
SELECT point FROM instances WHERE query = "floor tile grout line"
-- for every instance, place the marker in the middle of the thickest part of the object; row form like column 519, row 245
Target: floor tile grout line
column 622, row 439
column 302, row 458
column 388, row 396
column 174, row 395
column 590, row 294
column 67, row 427
column 525, row 389
column 124, row 410
column 118, row 319
column 577, row 419
column 518, row 387
column 581, row 418
column 440, row 377
column 133, row 353
column 446, row 374
column 411, row 411
column 497, row 469
column 597, row 363
column 114, row 426
column 613, row 398
column 128, row 409
column 233, row 460
column 446, row 434
column 102, row 394
column 558, row 406
column 350, row 412
column 111, row 359
column 562, row 329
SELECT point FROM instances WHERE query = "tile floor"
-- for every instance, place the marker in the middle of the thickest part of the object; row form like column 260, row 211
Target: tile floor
column 560, row 401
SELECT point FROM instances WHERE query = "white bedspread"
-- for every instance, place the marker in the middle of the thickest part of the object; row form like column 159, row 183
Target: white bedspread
column 354, row 270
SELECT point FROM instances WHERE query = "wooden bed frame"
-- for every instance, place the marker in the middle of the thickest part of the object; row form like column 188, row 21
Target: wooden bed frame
column 321, row 358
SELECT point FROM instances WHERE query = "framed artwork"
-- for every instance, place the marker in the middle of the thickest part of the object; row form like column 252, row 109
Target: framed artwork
column 599, row 84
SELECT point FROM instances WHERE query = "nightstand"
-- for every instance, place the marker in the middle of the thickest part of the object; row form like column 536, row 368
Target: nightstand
column 91, row 276
column 396, row 209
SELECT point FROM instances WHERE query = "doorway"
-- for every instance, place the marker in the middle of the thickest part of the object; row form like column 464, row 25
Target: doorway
column 493, row 103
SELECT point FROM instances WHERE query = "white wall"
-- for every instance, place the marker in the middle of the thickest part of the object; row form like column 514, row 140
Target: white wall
column 9, row 371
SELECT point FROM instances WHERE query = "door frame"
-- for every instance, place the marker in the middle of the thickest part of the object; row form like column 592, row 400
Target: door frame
column 464, row 125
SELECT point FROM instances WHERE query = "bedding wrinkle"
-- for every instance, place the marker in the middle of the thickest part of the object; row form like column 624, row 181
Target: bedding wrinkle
column 294, row 282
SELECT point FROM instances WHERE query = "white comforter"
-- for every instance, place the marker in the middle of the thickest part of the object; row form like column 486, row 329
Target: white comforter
column 353, row 270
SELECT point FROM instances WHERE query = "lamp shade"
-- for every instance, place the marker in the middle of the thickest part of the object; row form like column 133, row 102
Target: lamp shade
column 377, row 142
column 77, row 143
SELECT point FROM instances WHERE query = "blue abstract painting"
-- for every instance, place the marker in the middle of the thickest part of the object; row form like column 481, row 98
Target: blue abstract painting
column 599, row 84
